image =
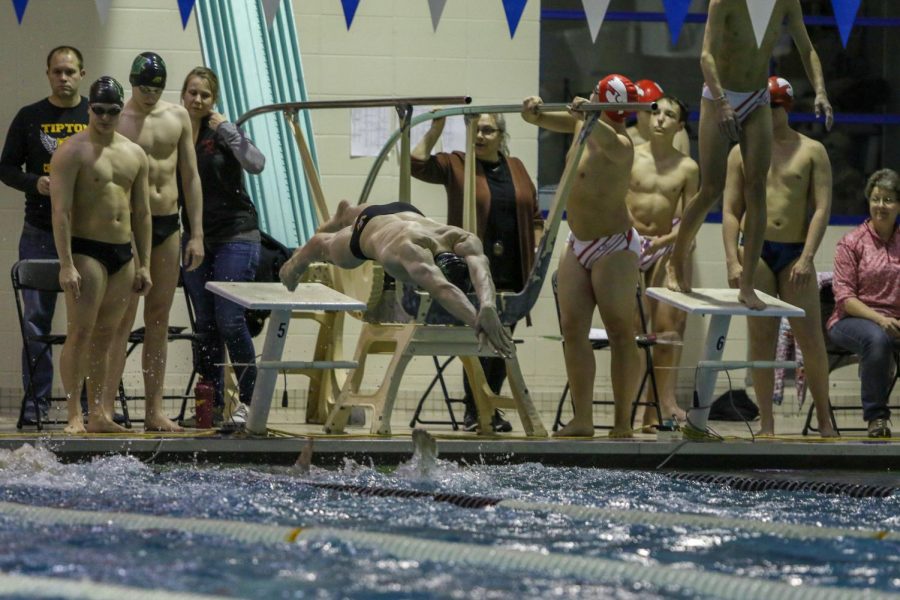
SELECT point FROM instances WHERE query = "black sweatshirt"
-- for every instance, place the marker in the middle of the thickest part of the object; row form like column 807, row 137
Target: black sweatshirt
column 33, row 136
column 222, row 157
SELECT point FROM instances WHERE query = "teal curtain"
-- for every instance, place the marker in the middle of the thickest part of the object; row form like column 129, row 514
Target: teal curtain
column 258, row 66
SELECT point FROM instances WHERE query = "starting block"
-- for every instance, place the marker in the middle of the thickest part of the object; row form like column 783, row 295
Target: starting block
column 721, row 305
column 276, row 298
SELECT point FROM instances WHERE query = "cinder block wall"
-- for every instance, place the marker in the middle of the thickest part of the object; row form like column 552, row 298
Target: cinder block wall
column 391, row 50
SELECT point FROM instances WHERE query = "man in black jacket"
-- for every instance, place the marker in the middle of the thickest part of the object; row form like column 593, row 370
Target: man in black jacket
column 34, row 134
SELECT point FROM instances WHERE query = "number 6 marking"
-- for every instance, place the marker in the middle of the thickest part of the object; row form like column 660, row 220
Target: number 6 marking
column 720, row 343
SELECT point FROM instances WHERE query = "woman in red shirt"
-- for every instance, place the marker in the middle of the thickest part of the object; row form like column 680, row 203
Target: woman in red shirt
column 508, row 219
column 866, row 318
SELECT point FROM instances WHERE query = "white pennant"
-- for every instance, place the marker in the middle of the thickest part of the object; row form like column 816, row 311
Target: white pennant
column 270, row 8
column 437, row 9
column 596, row 12
column 760, row 13
column 103, row 9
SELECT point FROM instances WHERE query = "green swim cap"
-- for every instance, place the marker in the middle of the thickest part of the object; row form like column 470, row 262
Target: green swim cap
column 148, row 69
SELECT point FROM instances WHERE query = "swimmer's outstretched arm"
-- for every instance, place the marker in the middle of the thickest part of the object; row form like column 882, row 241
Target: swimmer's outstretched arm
column 488, row 327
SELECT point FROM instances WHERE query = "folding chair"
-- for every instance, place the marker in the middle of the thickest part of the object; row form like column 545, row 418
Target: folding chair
column 175, row 333
column 599, row 341
column 439, row 367
column 841, row 357
column 40, row 275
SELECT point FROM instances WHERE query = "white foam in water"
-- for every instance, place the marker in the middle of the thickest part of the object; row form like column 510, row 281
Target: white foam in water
column 425, row 464
column 29, row 460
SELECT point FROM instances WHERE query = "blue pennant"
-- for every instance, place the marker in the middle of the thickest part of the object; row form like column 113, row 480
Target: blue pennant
column 845, row 15
column 350, row 7
column 676, row 11
column 514, row 10
column 20, row 5
column 185, row 6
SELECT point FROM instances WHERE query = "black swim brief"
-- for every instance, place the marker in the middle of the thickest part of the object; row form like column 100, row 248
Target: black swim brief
column 375, row 210
column 778, row 255
column 111, row 256
column 163, row 227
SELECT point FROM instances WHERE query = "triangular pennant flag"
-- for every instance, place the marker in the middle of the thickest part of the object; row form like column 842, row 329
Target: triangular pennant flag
column 845, row 15
column 676, row 12
column 514, row 10
column 437, row 9
column 596, row 12
column 103, row 9
column 185, row 6
column 270, row 9
column 20, row 5
column 760, row 14
column 350, row 7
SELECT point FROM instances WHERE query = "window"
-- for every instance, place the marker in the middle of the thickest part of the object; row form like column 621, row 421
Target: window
column 635, row 42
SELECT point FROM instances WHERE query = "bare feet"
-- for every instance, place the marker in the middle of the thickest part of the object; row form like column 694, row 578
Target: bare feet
column 675, row 276
column 749, row 298
column 291, row 271
column 668, row 411
column 574, row 429
column 104, row 425
column 765, row 432
column 338, row 220
column 621, row 434
column 161, row 423
column 826, row 430
column 76, row 425
column 672, row 411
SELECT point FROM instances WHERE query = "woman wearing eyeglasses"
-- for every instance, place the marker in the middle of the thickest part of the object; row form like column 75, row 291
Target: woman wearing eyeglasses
column 231, row 236
column 866, row 318
column 508, row 218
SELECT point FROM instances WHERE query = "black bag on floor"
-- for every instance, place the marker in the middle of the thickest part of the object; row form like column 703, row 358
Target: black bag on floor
column 735, row 405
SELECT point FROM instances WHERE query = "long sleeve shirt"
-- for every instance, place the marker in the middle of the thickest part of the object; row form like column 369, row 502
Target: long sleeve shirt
column 223, row 155
column 34, row 134
column 867, row 268
column 448, row 170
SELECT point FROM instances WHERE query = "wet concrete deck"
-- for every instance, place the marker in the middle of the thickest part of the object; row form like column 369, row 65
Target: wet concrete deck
column 283, row 445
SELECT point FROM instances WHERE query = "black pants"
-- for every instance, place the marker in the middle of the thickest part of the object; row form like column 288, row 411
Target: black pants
column 494, row 373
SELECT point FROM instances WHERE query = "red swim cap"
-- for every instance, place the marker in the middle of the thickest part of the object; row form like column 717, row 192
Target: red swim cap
column 616, row 88
column 649, row 91
column 781, row 92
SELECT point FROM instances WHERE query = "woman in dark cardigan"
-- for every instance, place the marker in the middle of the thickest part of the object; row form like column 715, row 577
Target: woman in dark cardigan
column 231, row 236
column 508, row 219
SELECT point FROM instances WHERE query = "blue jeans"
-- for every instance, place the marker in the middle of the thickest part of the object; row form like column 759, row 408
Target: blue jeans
column 220, row 323
column 38, row 310
column 875, row 349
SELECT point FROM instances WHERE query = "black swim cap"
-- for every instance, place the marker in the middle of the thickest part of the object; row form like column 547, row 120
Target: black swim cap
column 148, row 69
column 455, row 269
column 107, row 90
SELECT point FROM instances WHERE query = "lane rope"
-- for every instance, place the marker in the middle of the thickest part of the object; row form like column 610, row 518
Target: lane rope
column 410, row 548
column 27, row 586
column 633, row 517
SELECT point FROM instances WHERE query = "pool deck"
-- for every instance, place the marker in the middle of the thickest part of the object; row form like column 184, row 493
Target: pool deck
column 738, row 451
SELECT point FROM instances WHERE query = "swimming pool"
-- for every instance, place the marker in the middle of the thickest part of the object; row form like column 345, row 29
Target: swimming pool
column 334, row 567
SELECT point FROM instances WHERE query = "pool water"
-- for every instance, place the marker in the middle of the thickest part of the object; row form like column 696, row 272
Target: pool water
column 204, row 564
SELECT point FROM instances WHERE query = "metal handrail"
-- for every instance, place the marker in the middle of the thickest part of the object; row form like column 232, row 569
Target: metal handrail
column 364, row 103
column 592, row 107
